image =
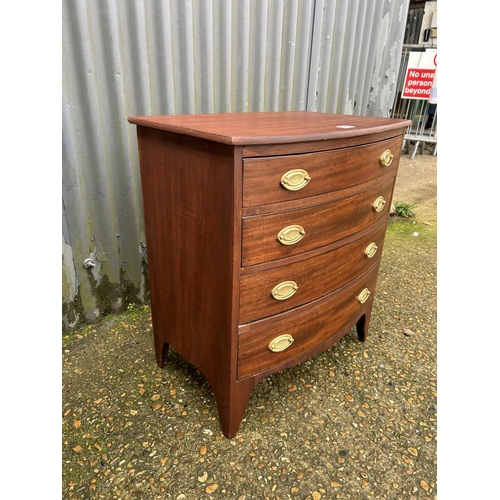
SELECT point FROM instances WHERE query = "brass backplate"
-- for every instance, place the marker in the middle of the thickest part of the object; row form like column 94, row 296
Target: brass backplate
column 284, row 290
column 291, row 234
column 379, row 204
column 386, row 158
column 371, row 250
column 281, row 343
column 295, row 179
column 363, row 296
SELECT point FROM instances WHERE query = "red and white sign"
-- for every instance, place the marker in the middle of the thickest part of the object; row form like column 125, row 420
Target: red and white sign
column 420, row 74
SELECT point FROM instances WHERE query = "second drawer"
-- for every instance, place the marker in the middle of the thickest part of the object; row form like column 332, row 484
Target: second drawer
column 279, row 289
column 283, row 234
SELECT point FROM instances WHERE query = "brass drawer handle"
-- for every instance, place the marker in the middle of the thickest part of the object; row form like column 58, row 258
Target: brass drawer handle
column 281, row 343
column 363, row 296
column 371, row 250
column 295, row 179
column 379, row 204
column 291, row 234
column 284, row 290
column 386, row 158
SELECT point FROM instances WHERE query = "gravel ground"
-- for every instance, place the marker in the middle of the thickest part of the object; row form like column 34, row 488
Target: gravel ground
column 355, row 422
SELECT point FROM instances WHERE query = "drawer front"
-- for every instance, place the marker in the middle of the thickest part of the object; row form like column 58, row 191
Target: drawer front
column 279, row 289
column 275, row 236
column 295, row 333
column 283, row 178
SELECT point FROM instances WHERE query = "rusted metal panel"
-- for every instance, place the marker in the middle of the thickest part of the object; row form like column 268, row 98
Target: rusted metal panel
column 356, row 55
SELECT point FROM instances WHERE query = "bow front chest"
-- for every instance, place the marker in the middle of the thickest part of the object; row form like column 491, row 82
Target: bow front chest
column 264, row 233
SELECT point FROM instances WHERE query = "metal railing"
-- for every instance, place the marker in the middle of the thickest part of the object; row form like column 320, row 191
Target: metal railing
column 423, row 115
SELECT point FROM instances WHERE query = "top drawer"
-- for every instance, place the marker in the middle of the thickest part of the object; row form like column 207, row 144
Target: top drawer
column 284, row 178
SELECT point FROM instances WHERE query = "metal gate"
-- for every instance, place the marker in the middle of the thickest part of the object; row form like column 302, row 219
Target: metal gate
column 422, row 113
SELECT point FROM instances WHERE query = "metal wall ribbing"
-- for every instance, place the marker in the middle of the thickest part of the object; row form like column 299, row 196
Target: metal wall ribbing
column 124, row 58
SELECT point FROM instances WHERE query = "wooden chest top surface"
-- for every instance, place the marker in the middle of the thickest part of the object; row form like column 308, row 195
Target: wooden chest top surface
column 269, row 127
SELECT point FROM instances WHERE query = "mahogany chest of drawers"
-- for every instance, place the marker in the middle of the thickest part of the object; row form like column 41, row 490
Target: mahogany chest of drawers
column 264, row 233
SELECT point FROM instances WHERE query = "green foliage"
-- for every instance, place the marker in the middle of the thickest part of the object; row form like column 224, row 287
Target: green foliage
column 135, row 311
column 409, row 233
column 404, row 209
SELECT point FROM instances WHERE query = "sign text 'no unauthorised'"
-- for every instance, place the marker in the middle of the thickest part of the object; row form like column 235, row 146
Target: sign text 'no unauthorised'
column 418, row 83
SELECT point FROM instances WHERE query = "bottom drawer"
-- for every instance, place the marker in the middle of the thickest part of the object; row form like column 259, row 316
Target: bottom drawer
column 278, row 340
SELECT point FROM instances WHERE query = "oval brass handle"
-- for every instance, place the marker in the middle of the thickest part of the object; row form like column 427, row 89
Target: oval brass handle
column 371, row 250
column 291, row 234
column 281, row 343
column 295, row 179
column 386, row 158
column 284, row 290
column 379, row 204
column 363, row 296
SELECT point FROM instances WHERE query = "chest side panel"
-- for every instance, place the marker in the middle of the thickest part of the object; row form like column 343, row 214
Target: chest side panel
column 189, row 214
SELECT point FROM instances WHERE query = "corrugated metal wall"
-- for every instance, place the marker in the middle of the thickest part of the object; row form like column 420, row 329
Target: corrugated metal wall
column 144, row 57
